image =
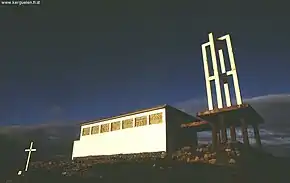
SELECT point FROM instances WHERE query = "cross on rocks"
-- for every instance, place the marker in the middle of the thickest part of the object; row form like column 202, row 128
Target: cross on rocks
column 29, row 155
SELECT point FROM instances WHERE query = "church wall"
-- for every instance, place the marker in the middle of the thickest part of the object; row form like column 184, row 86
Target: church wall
column 137, row 139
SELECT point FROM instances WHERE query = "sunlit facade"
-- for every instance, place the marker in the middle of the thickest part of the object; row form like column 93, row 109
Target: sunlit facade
column 150, row 130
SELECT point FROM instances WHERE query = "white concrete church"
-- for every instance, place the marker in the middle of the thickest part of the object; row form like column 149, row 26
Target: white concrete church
column 155, row 129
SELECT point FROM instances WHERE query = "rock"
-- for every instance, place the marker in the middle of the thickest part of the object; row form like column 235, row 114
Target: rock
column 228, row 150
column 232, row 161
column 233, row 153
column 163, row 154
column 209, row 155
column 212, row 161
column 186, row 148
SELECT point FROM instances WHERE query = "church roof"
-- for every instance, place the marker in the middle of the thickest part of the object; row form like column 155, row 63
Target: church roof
column 127, row 114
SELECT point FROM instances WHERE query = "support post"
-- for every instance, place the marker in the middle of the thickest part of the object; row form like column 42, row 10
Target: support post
column 223, row 129
column 220, row 135
column 257, row 135
column 245, row 132
column 233, row 133
column 195, row 140
column 214, row 137
column 218, row 139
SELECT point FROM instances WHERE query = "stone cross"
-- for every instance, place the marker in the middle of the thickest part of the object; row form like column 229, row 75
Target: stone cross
column 29, row 155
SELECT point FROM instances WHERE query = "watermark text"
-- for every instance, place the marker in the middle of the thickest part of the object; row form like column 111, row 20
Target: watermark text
column 19, row 3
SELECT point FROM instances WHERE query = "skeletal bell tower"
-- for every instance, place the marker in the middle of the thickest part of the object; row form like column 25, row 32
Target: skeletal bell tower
column 226, row 114
column 217, row 77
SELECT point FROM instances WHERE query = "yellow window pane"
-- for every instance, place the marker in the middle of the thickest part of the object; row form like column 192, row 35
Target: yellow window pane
column 141, row 121
column 95, row 129
column 86, row 131
column 115, row 126
column 128, row 123
column 105, row 128
column 155, row 118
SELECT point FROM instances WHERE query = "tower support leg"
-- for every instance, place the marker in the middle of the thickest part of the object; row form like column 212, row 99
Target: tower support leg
column 233, row 133
column 214, row 137
column 257, row 135
column 245, row 132
column 218, row 139
column 223, row 129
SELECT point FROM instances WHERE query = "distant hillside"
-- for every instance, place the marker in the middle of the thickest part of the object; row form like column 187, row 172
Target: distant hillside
column 275, row 109
column 55, row 140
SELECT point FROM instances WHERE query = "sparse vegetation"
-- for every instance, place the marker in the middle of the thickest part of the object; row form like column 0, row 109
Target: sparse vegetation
column 250, row 165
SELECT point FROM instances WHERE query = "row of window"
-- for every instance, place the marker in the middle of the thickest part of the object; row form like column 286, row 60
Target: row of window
column 128, row 123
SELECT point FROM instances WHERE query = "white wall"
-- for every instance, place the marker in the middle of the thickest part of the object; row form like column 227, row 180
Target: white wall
column 149, row 138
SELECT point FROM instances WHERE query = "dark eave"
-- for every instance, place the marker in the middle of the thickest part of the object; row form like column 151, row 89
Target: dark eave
column 232, row 114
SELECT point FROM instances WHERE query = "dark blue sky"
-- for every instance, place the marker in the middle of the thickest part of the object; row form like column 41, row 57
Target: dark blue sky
column 73, row 61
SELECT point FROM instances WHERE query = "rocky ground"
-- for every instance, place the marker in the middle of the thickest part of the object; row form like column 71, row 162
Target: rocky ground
column 233, row 163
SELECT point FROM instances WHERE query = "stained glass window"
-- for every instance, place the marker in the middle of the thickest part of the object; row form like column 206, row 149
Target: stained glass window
column 95, row 129
column 115, row 126
column 155, row 118
column 105, row 128
column 128, row 123
column 86, row 131
column 141, row 121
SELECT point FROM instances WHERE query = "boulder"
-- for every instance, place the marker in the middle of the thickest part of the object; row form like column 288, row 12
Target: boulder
column 212, row 161
column 232, row 161
column 205, row 157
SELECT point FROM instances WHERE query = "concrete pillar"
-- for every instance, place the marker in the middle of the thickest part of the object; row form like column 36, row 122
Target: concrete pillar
column 224, row 135
column 218, row 139
column 195, row 139
column 223, row 129
column 233, row 133
column 257, row 135
column 214, row 137
column 245, row 132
